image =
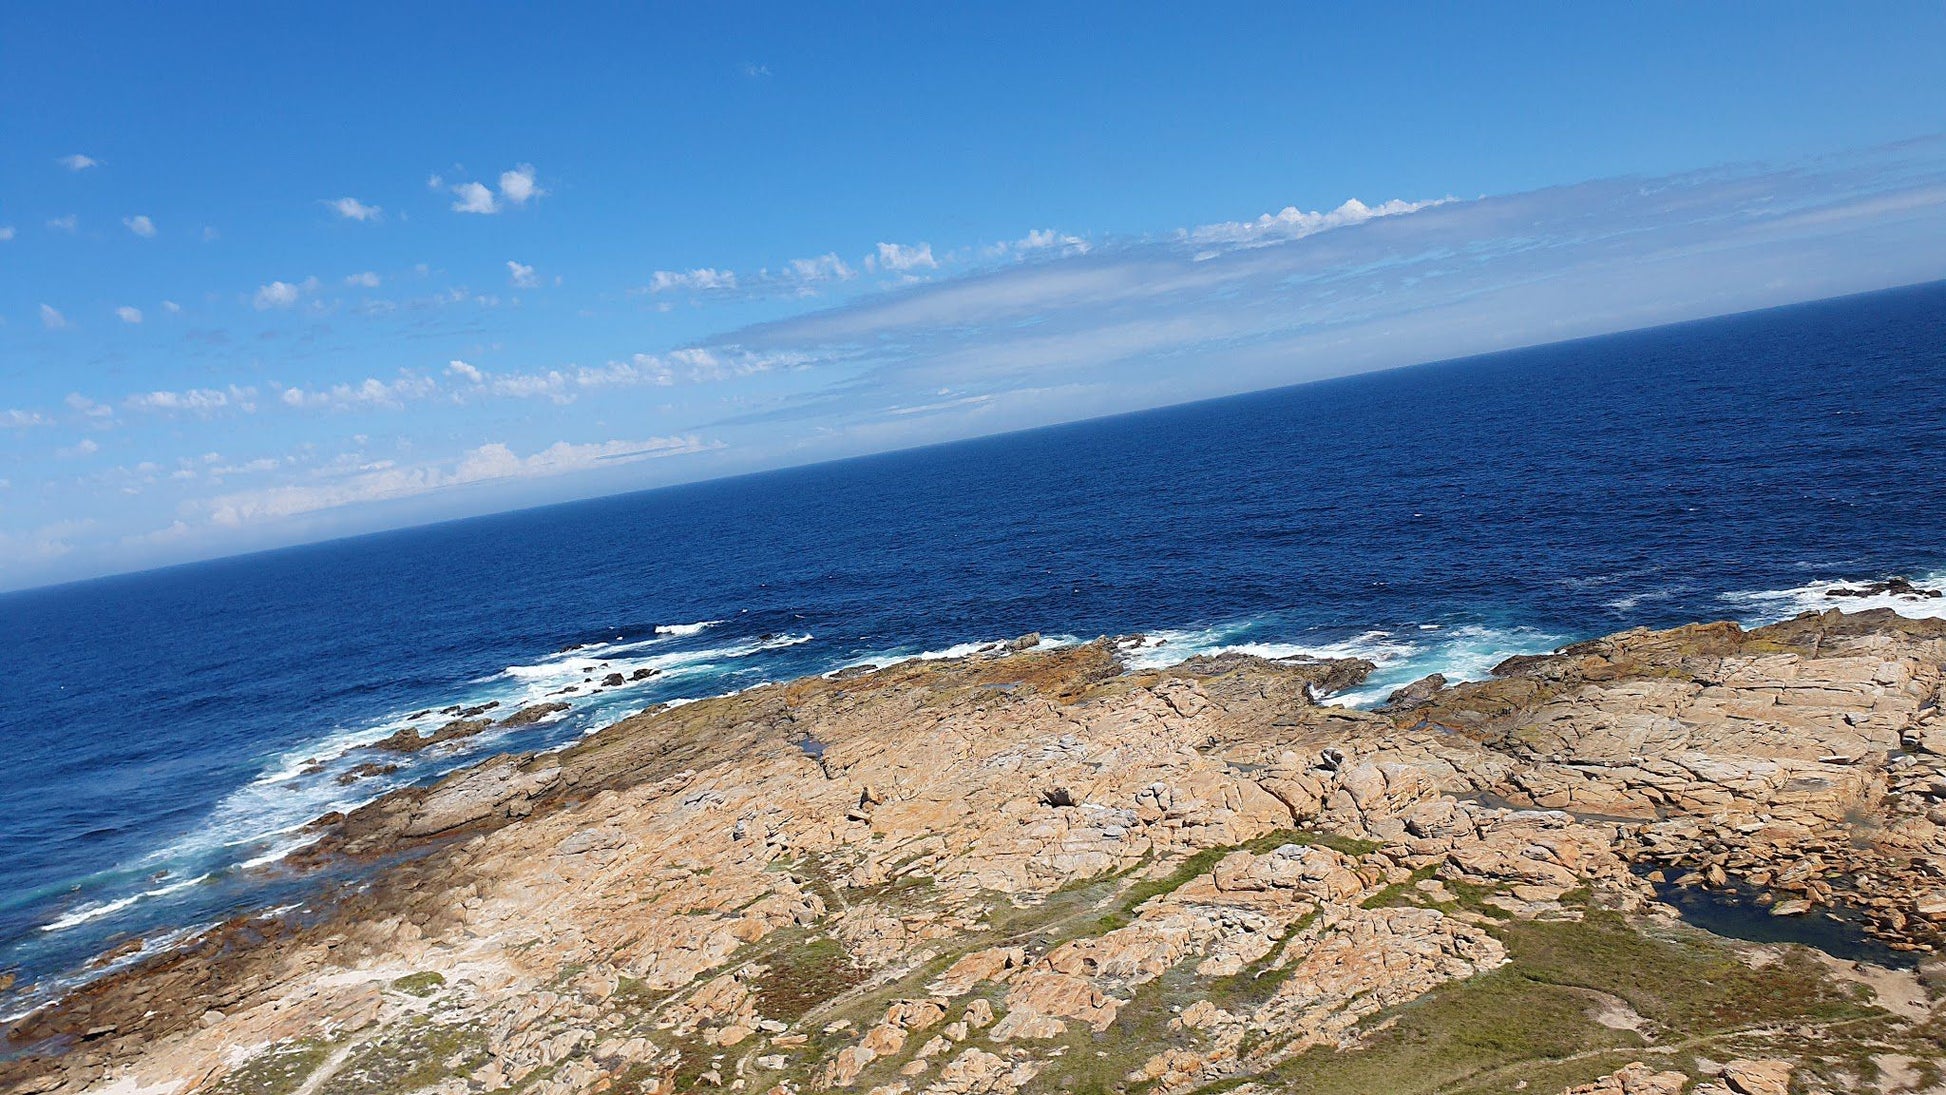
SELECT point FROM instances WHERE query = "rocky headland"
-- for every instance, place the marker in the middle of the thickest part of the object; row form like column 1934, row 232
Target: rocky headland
column 1037, row 870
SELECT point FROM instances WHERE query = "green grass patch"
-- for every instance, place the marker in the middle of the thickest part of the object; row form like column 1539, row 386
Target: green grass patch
column 279, row 1070
column 802, row 974
column 424, row 983
column 1532, row 1020
column 414, row 1054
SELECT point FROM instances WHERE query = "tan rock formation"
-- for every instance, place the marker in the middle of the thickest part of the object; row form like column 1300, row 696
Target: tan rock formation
column 1032, row 870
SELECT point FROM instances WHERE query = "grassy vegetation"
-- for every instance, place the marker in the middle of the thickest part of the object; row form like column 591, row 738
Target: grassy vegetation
column 1397, row 894
column 800, row 977
column 1532, row 1020
column 279, row 1070
column 424, row 983
column 1248, row 988
column 416, row 1053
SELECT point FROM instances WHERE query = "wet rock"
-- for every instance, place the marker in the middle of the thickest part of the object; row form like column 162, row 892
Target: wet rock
column 1416, row 694
column 408, row 739
column 533, row 713
column 367, row 770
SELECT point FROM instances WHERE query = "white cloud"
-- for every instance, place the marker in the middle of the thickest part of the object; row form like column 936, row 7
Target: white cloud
column 435, row 181
column 52, row 319
column 474, row 198
column 63, row 224
column 282, row 294
column 88, row 407
column 129, row 315
column 84, row 447
column 6, row 232
column 459, row 368
column 485, row 464
column 77, row 162
column 755, row 71
column 825, row 267
column 200, row 401
column 44, row 543
column 698, row 280
column 521, row 275
column 366, row 280
column 1042, row 239
column 369, row 394
column 352, row 209
column 695, row 365
column 140, row 225
column 899, row 258
column 518, row 186
column 171, row 307
column 1290, row 223
column 20, row 420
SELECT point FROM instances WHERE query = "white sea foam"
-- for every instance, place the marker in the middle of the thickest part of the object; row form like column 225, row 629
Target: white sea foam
column 261, row 822
column 82, row 915
column 1460, row 653
column 1166, row 646
column 680, row 630
column 1763, row 606
column 993, row 647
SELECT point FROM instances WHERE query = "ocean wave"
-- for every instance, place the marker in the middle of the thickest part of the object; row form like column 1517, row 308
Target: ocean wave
column 1459, row 652
column 265, row 820
column 683, row 630
column 1167, row 646
column 95, row 911
column 1764, row 606
column 896, row 655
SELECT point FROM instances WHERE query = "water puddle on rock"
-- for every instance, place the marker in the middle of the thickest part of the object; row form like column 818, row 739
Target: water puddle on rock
column 1735, row 913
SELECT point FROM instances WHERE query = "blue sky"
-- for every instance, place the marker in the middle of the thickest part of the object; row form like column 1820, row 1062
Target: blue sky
column 270, row 275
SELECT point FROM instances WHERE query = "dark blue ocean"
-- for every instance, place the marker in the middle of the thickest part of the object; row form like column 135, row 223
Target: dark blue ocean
column 159, row 727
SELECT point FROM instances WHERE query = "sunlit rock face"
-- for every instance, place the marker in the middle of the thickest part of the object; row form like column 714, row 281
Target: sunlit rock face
column 1035, row 870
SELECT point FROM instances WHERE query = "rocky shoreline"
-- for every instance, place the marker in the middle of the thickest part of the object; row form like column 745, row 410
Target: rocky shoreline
column 1037, row 870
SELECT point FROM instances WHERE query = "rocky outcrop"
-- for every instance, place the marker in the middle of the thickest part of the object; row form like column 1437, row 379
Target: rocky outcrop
column 1035, row 870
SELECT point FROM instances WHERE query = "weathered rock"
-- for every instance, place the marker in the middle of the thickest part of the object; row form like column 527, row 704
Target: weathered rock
column 533, row 713
column 748, row 891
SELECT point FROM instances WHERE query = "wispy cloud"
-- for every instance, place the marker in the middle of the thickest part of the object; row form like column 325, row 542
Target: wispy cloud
column 78, row 162
column 352, row 209
column 88, row 408
column 129, row 315
column 66, row 223
column 140, row 225
column 366, row 280
column 20, row 420
column 52, row 319
column 521, row 275
column 484, row 464
column 1292, row 223
column 1210, row 310
column 701, row 279
column 6, row 232
column 371, row 393
column 198, row 401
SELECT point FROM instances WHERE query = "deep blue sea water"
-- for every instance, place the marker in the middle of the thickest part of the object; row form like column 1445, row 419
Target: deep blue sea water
column 158, row 727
